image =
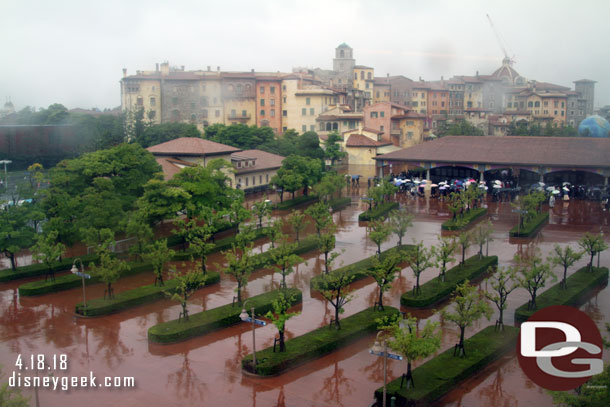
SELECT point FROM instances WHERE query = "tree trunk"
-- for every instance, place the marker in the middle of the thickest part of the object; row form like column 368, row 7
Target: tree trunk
column 462, row 330
column 239, row 293
column 282, row 342
column 417, row 285
column 463, row 254
column 564, row 283
column 284, row 277
column 11, row 256
column 282, row 196
column 325, row 262
column 379, row 250
column 292, row 194
column 400, row 240
column 337, row 324
column 591, row 262
column 297, row 232
column 203, row 268
column 380, row 299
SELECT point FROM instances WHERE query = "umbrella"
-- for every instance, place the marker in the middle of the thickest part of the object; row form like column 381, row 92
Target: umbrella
column 434, row 185
column 417, row 182
column 497, row 186
column 541, row 183
column 566, row 189
column 555, row 192
column 566, row 183
column 498, row 182
column 472, row 180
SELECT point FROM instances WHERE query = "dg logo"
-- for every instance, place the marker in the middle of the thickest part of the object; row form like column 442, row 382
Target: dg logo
column 560, row 348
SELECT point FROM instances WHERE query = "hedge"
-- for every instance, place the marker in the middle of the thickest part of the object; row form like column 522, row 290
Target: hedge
column 340, row 203
column 217, row 318
column 361, row 268
column 436, row 290
column 579, row 285
column 444, row 372
column 40, row 269
column 137, row 296
column 380, row 211
column 531, row 227
column 219, row 245
column 465, row 220
column 290, row 203
column 315, row 344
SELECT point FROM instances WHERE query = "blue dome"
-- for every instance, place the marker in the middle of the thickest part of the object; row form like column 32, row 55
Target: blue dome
column 594, row 126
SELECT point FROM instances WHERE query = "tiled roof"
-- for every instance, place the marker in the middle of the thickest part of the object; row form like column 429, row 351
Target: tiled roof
column 264, row 161
column 362, row 67
column 409, row 115
column 191, row 146
column 170, row 167
column 359, row 140
column 510, row 150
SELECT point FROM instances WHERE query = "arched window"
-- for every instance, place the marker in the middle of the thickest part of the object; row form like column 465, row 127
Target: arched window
column 361, row 74
column 328, row 126
column 335, row 126
column 368, row 75
column 239, row 89
column 342, row 53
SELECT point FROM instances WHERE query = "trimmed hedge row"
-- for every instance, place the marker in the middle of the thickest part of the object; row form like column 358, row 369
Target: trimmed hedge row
column 306, row 244
column 530, row 228
column 380, row 211
column 134, row 297
column 216, row 318
column 436, row 290
column 439, row 375
column 579, row 285
column 340, row 203
column 465, row 220
column 40, row 269
column 220, row 245
column 315, row 344
column 300, row 200
column 360, row 269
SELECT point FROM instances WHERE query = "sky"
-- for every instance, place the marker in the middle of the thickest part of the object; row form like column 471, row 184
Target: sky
column 73, row 52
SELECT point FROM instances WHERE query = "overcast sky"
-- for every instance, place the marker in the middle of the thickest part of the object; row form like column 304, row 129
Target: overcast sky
column 72, row 52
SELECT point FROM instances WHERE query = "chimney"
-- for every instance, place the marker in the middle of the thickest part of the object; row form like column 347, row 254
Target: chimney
column 124, row 72
column 442, row 79
column 182, row 67
column 420, row 79
column 252, row 70
column 218, row 68
column 157, row 67
column 209, row 68
column 477, row 74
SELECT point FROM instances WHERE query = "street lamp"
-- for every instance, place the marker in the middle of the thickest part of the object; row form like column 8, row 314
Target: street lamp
column 5, row 162
column 244, row 317
column 83, row 275
column 380, row 348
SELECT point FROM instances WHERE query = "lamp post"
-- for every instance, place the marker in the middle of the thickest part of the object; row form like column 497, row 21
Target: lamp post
column 244, row 317
column 83, row 275
column 380, row 349
column 5, row 162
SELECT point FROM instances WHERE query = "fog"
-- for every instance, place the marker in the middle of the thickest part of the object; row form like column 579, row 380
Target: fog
column 72, row 52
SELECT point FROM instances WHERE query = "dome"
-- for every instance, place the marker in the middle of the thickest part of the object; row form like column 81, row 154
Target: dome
column 594, row 126
column 343, row 45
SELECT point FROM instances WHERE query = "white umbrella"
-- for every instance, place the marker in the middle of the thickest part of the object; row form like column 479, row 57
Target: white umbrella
column 417, row 182
column 498, row 182
column 550, row 188
column 566, row 189
column 555, row 192
column 566, row 183
column 541, row 183
column 434, row 185
column 497, row 186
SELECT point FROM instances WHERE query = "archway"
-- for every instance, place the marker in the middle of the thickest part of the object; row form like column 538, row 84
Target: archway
column 581, row 177
column 452, row 172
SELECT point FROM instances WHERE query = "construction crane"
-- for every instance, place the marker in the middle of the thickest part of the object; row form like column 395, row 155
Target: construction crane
column 501, row 41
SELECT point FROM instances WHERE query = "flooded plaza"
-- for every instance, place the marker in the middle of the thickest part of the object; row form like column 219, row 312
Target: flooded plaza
column 206, row 371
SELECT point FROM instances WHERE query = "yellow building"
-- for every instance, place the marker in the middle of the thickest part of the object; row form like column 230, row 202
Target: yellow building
column 381, row 90
column 411, row 127
column 239, row 97
column 364, row 79
column 473, row 92
column 362, row 145
column 142, row 91
column 419, row 98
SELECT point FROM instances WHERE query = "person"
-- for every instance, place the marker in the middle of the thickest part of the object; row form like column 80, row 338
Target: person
column 552, row 201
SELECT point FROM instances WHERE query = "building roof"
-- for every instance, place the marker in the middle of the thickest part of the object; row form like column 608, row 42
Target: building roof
column 263, row 161
column 547, row 86
column 409, row 115
column 506, row 71
column 172, row 166
column 585, row 81
column 343, row 45
column 511, row 150
column 191, row 146
column 362, row 67
column 359, row 140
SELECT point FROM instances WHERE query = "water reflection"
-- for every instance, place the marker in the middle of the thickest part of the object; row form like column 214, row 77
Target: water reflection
column 335, row 387
column 185, row 382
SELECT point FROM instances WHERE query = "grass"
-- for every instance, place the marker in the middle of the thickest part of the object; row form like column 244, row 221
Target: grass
column 380, row 211
column 315, row 344
column 300, row 200
column 579, row 285
column 444, row 372
column 216, row 318
column 531, row 227
column 132, row 298
column 361, row 268
column 40, row 269
column 436, row 290
column 463, row 221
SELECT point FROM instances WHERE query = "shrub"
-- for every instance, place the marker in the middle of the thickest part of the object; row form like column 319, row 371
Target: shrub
column 377, row 212
column 465, row 220
column 531, row 227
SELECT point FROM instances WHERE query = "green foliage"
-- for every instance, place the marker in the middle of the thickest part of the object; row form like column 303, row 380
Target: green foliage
column 464, row 220
column 536, row 130
column 38, row 269
column 379, row 232
column 217, row 318
column 158, row 254
column 443, row 253
column 48, row 251
column 334, row 288
column 240, row 264
column 420, row 259
column 437, row 289
column 298, row 172
column 531, row 227
column 332, row 149
column 137, row 227
column 503, row 282
column 284, row 258
column 279, row 316
column 580, row 284
column 330, row 184
column 529, row 205
column 161, row 201
column 321, row 216
column 326, row 245
column 298, row 222
column 592, row 245
column 533, row 274
column 469, row 306
column 237, row 213
column 380, row 211
column 464, row 240
column 458, row 128
column 400, row 221
column 15, row 232
column 261, row 210
column 566, row 258
column 198, row 237
column 481, row 235
column 308, row 145
column 240, row 135
column 444, row 372
column 384, row 271
column 109, row 269
column 187, row 284
column 274, row 231
column 160, row 133
column 316, row 343
column 11, row 396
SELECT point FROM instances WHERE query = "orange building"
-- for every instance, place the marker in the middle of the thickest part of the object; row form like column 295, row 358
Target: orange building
column 269, row 102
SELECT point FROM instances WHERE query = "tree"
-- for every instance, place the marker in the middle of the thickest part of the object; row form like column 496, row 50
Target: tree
column 384, row 272
column 280, row 315
column 308, row 145
column 237, row 212
column 188, row 283
column 48, row 250
column 158, row 254
column 459, row 128
column 309, row 169
column 420, row 259
column 199, row 240
column 443, row 252
column 592, row 244
column 240, row 264
column 565, row 257
column 326, row 245
column 503, row 283
column 400, row 221
column 333, row 287
column 10, row 396
column 481, row 235
column 411, row 342
column 284, row 258
column 464, row 241
column 332, row 150
column 379, row 233
column 160, row 133
column 455, row 204
column 109, row 268
column 533, row 274
column 260, row 210
column 240, row 135
column 274, row 231
column 101, row 208
column 320, row 213
column 328, row 186
column 138, row 228
column 469, row 306
column 287, row 180
column 297, row 221
column 161, row 201
column 15, row 233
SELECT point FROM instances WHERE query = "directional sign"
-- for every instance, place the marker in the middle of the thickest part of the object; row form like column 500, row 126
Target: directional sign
column 256, row 321
column 519, row 211
column 85, row 275
column 390, row 355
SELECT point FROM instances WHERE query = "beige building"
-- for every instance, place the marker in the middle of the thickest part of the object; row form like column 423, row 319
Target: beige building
column 364, row 79
column 339, row 119
column 419, row 97
column 362, row 145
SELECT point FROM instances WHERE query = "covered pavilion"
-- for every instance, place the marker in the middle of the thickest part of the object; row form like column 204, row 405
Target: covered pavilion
column 581, row 160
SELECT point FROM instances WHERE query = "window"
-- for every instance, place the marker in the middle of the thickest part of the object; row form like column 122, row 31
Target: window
column 377, row 94
column 562, row 113
column 307, row 101
column 356, row 75
column 382, row 128
column 262, row 102
column 410, row 123
column 284, row 99
column 153, row 102
column 204, row 113
column 562, row 104
column 267, row 178
column 537, row 104
column 546, row 103
column 572, row 112
column 193, row 118
column 204, row 101
column 262, row 113
column 152, row 114
column 284, row 88
column 368, row 75
column 217, row 113
column 239, row 165
column 530, row 104
column 244, row 113
column 284, row 113
column 382, row 114
column 311, row 111
column 272, row 102
column 304, row 128
column 260, row 179
column 247, row 181
column 272, row 89
column 510, row 105
column 367, row 85
column 140, row 101
column 239, row 88
column 304, row 111
column 253, row 180
column 272, row 113
column 262, row 90
column 233, row 113
column 409, row 135
column 361, row 74
column 312, row 127
column 373, row 115
column 284, row 128
column 442, row 104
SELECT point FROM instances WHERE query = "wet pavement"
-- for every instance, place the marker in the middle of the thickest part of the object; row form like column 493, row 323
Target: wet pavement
column 205, row 371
